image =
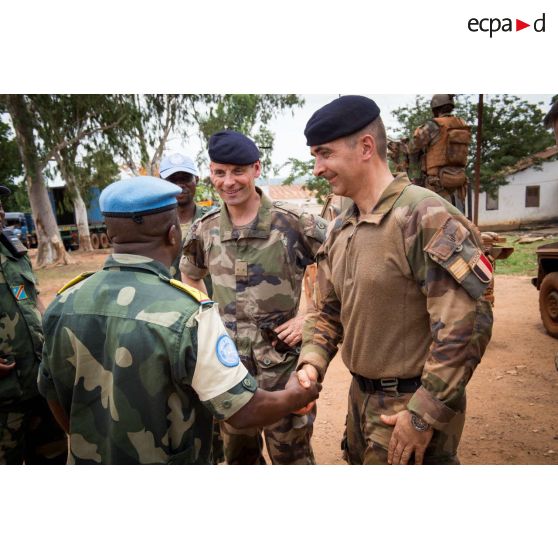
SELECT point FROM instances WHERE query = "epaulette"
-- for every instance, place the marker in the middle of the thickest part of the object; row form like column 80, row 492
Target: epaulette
column 75, row 281
column 197, row 295
column 212, row 212
column 288, row 208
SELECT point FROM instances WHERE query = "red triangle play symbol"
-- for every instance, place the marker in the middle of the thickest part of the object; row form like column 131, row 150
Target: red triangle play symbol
column 519, row 25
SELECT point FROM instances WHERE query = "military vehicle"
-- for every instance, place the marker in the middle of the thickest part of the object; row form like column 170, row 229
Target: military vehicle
column 546, row 282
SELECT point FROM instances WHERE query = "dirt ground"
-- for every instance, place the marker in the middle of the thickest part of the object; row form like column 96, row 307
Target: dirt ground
column 512, row 415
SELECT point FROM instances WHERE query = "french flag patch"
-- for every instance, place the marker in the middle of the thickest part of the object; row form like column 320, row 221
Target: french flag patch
column 481, row 267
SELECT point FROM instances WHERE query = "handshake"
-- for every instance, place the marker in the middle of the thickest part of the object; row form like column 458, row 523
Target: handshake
column 307, row 378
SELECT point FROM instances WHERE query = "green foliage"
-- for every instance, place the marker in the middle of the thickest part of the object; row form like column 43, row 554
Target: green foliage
column 512, row 130
column 10, row 169
column 301, row 173
column 205, row 191
column 523, row 261
column 248, row 114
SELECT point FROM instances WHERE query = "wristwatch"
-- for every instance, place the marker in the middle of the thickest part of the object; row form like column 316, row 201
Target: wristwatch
column 419, row 424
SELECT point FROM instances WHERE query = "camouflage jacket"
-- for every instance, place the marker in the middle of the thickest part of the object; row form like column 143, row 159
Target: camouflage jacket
column 21, row 335
column 185, row 228
column 405, row 287
column 139, row 366
column 256, row 272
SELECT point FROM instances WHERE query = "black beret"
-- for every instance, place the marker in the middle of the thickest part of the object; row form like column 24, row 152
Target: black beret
column 232, row 148
column 342, row 117
column 4, row 190
column 551, row 116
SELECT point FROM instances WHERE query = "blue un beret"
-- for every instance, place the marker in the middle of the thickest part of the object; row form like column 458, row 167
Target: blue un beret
column 232, row 148
column 342, row 117
column 4, row 190
column 134, row 197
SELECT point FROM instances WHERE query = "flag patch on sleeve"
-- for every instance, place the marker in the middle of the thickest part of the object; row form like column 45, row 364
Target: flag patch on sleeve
column 481, row 267
column 19, row 292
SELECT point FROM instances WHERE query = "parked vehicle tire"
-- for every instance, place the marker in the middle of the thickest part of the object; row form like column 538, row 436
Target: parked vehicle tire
column 548, row 303
column 95, row 242
column 104, row 240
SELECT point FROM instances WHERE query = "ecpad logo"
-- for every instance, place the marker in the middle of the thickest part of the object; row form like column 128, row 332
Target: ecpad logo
column 494, row 24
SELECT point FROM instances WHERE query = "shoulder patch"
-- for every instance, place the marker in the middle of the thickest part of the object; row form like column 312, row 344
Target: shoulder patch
column 76, row 280
column 198, row 296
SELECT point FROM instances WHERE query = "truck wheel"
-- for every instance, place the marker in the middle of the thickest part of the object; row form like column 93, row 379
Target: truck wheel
column 103, row 239
column 95, row 241
column 548, row 303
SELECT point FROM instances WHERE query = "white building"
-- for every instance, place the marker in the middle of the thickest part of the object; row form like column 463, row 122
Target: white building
column 529, row 197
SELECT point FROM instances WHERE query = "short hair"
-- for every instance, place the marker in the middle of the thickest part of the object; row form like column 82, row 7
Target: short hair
column 377, row 130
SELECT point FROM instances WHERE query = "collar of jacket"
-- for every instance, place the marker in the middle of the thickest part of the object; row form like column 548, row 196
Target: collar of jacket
column 383, row 207
column 263, row 221
column 136, row 262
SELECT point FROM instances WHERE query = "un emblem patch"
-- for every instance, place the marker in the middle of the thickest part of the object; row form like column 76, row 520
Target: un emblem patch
column 226, row 351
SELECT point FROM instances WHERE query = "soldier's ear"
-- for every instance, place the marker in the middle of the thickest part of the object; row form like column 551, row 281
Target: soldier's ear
column 174, row 235
column 368, row 146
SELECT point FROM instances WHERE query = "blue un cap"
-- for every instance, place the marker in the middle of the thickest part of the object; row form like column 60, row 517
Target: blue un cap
column 135, row 197
column 4, row 190
column 340, row 118
column 232, row 148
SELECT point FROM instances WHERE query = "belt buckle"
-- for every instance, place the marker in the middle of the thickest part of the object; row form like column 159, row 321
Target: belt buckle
column 389, row 384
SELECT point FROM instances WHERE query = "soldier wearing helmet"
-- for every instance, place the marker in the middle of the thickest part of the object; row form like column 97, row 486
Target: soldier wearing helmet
column 441, row 147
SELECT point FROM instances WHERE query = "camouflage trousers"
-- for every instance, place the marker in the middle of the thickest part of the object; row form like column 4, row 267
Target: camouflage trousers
column 29, row 434
column 366, row 437
column 287, row 440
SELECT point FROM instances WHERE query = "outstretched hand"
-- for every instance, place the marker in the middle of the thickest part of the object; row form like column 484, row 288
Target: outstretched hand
column 306, row 376
column 306, row 394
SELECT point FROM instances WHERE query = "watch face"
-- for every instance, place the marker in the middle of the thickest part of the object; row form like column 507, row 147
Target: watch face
column 418, row 423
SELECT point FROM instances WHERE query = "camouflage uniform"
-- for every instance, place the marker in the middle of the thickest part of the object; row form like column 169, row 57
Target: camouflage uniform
column 133, row 361
column 185, row 228
column 257, row 278
column 405, row 287
column 423, row 137
column 28, row 431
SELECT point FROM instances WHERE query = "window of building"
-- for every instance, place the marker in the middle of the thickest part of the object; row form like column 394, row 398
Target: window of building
column 492, row 200
column 532, row 196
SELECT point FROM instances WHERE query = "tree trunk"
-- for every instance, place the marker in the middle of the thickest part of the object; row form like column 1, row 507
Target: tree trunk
column 82, row 221
column 80, row 210
column 51, row 248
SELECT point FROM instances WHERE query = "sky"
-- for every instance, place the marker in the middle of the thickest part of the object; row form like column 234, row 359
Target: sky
column 289, row 127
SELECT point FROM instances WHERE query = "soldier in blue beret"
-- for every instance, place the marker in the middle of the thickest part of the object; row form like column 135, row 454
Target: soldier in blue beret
column 256, row 252
column 137, row 364
column 402, row 279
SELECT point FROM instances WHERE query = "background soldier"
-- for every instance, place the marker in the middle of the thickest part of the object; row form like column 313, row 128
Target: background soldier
column 401, row 278
column 256, row 252
column 137, row 364
column 28, row 431
column 398, row 153
column 441, row 146
column 181, row 170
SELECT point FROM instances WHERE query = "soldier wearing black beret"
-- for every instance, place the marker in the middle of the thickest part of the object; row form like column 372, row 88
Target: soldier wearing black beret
column 256, row 252
column 401, row 282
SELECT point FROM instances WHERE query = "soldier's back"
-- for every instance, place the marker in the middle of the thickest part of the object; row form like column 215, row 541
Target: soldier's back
column 122, row 343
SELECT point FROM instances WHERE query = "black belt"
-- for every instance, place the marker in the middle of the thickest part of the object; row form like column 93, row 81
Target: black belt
column 389, row 385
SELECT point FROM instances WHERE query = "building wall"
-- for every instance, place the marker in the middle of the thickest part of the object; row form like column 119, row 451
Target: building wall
column 511, row 212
